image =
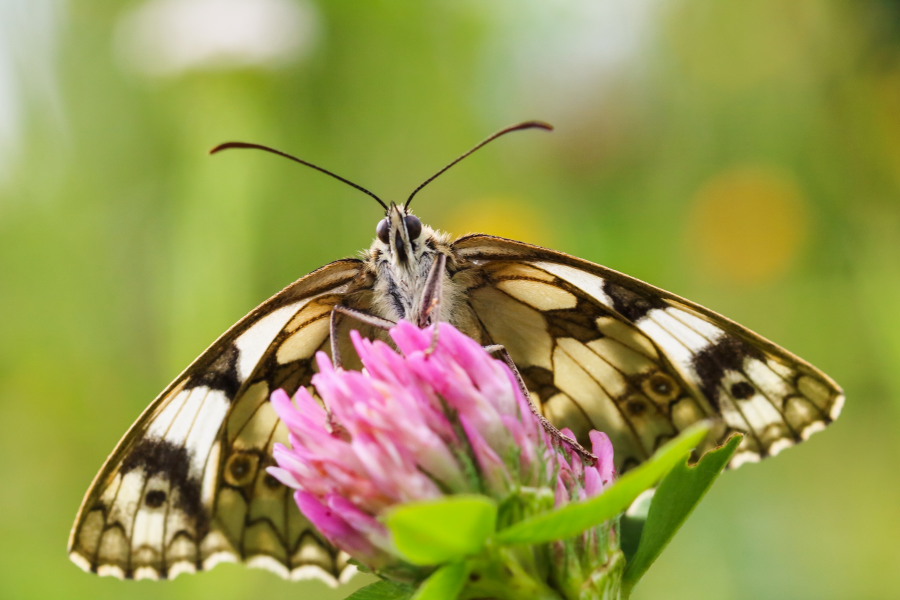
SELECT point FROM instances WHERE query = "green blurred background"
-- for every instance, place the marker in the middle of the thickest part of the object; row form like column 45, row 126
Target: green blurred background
column 743, row 154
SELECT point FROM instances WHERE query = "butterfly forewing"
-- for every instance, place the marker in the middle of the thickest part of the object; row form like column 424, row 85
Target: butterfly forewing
column 187, row 488
column 601, row 350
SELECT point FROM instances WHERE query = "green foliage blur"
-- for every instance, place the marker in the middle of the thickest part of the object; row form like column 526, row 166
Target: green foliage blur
column 743, row 154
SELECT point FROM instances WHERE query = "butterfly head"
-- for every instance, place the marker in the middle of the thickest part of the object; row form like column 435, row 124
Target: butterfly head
column 401, row 236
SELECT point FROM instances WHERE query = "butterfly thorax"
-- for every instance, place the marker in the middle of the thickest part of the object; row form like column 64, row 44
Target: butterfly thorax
column 402, row 258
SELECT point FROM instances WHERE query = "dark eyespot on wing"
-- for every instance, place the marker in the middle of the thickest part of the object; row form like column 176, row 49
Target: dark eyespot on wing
column 726, row 354
column 155, row 498
column 160, row 457
column 635, row 405
column 270, row 482
column 742, row 390
column 659, row 386
column 241, row 467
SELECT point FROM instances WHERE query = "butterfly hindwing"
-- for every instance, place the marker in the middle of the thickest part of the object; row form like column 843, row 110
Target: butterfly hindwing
column 252, row 507
column 603, row 350
column 186, row 487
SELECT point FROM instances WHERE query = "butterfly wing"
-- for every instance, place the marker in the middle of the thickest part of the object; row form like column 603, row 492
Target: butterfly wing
column 186, row 487
column 600, row 349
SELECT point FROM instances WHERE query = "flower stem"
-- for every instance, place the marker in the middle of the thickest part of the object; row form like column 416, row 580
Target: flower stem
column 500, row 575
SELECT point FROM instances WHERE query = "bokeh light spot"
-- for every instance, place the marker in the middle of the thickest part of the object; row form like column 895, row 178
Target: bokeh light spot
column 748, row 224
column 162, row 38
column 497, row 215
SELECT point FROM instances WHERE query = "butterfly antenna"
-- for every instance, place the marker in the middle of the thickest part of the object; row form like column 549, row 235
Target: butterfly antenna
column 229, row 145
column 502, row 132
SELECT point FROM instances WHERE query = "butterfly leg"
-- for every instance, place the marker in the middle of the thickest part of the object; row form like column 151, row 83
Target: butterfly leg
column 431, row 298
column 548, row 426
column 361, row 316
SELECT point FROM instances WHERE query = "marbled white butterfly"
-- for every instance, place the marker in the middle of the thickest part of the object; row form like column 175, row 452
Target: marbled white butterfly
column 186, row 488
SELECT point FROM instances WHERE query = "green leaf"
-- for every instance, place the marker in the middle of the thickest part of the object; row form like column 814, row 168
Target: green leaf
column 676, row 497
column 439, row 531
column 382, row 590
column 631, row 525
column 575, row 518
column 444, row 584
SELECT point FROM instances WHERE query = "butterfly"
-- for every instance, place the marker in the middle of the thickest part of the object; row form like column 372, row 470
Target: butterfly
column 186, row 487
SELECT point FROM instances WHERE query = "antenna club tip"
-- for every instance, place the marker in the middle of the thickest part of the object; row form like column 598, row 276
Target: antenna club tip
column 224, row 146
column 541, row 125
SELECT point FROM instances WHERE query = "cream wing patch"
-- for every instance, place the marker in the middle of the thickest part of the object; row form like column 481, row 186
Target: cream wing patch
column 256, row 340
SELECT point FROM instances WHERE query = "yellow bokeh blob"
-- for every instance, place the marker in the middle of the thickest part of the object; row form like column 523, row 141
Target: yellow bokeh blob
column 748, row 224
column 498, row 215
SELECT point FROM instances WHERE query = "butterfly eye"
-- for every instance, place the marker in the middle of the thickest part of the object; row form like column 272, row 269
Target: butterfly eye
column 413, row 226
column 383, row 231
